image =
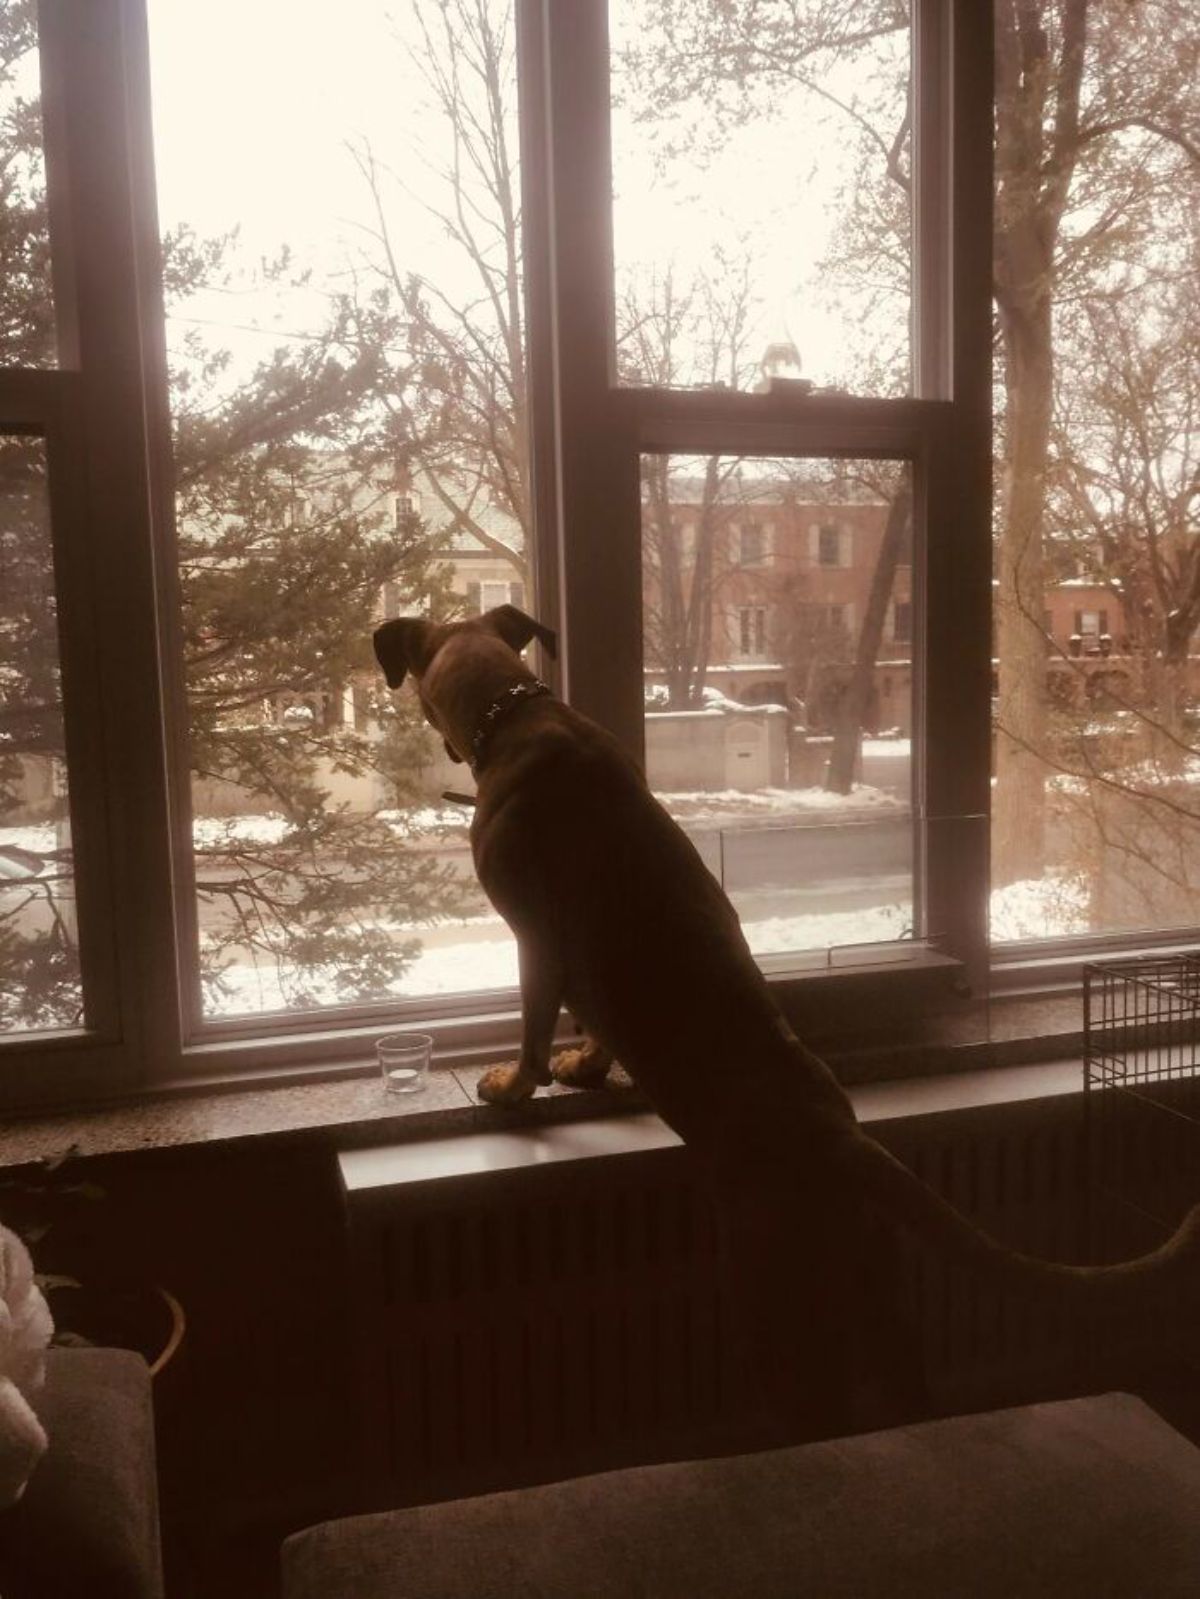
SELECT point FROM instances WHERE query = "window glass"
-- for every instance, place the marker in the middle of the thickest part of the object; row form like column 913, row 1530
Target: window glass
column 27, row 334
column 39, row 953
column 343, row 269
column 1096, row 820
column 761, row 193
column 778, row 711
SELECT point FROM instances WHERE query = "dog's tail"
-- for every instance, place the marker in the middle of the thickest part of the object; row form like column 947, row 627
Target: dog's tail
column 1172, row 1268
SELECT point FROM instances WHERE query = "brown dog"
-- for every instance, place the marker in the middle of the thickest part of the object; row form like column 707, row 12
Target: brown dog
column 617, row 918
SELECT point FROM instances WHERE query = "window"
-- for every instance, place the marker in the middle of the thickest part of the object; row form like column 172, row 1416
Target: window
column 498, row 593
column 487, row 594
column 328, row 418
column 902, row 621
column 39, row 946
column 829, row 545
column 1095, row 827
column 326, row 868
column 752, row 542
column 752, row 630
column 772, row 732
column 704, row 233
column 1090, row 628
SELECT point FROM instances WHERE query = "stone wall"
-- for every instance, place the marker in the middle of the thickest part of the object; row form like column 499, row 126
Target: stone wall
column 717, row 749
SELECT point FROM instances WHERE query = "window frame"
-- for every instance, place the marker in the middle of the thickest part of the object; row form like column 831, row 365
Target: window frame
column 587, row 512
column 96, row 411
column 104, row 414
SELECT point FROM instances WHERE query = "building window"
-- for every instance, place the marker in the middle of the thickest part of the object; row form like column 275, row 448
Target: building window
column 902, row 622
column 752, row 630
column 829, row 545
column 491, row 592
column 1090, row 626
column 751, row 544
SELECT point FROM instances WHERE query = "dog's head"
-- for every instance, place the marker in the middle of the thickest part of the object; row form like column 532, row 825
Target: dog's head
column 409, row 643
column 412, row 644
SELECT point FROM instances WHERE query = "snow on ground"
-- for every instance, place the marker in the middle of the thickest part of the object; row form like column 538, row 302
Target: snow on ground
column 39, row 838
column 713, row 702
column 778, row 935
column 486, row 959
column 449, row 823
column 1049, row 907
column 727, row 807
column 210, row 832
column 1145, row 778
column 427, row 819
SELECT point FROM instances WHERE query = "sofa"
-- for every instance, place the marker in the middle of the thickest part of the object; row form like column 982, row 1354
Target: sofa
column 1094, row 1498
column 87, row 1525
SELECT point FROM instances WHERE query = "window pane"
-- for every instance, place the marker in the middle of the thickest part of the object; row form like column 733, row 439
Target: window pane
column 343, row 255
column 1096, row 825
column 39, row 954
column 779, row 693
column 761, row 181
column 26, row 304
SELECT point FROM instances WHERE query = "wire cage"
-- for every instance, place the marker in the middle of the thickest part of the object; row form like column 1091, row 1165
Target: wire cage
column 1142, row 1093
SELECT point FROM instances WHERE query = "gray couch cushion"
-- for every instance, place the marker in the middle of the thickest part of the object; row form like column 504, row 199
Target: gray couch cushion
column 88, row 1523
column 1096, row 1498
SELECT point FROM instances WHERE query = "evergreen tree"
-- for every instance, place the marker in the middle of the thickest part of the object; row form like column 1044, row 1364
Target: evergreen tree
column 286, row 534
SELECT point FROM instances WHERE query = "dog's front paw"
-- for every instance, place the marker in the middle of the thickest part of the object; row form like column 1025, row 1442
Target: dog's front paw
column 505, row 1085
column 586, row 1067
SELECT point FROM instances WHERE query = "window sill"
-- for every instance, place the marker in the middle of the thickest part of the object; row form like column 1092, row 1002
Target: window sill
column 1033, row 1052
column 381, row 1165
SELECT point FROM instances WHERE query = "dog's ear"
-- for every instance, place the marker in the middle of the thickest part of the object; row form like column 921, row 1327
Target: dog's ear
column 452, row 752
column 401, row 646
column 516, row 629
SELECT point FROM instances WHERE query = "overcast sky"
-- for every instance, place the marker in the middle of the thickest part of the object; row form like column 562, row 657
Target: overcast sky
column 255, row 105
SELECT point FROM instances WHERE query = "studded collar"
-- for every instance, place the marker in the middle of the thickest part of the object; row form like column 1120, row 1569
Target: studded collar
column 497, row 711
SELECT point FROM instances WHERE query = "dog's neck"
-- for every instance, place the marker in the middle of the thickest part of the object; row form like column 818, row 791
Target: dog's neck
column 495, row 712
column 468, row 695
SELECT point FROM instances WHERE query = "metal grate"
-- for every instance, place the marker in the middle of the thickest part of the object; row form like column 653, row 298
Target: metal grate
column 1142, row 1086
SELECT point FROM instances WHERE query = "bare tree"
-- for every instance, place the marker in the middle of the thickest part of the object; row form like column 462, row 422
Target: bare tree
column 1131, row 483
column 457, row 405
column 689, row 504
column 1097, row 134
column 1091, row 146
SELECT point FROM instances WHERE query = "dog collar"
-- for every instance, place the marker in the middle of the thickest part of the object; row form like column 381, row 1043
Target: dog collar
column 497, row 710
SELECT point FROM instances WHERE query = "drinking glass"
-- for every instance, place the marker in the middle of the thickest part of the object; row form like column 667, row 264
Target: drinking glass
column 404, row 1061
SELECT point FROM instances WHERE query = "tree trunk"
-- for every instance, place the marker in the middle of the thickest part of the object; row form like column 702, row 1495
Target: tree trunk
column 852, row 708
column 1019, row 815
column 1037, row 149
column 1170, row 742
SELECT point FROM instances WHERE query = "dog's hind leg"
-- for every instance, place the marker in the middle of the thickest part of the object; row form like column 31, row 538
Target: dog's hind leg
column 541, row 1000
column 584, row 1067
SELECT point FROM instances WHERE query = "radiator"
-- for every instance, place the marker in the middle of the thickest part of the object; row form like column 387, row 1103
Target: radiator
column 546, row 1319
